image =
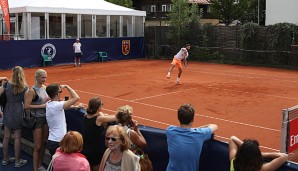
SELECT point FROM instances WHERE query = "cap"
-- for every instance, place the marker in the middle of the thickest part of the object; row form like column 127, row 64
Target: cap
column 78, row 39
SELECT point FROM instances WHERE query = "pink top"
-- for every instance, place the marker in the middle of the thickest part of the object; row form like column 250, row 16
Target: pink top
column 73, row 162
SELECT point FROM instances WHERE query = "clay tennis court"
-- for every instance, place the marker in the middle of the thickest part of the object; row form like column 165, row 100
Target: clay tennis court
column 243, row 101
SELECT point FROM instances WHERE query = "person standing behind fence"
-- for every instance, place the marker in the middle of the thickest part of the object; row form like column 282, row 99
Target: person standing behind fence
column 55, row 114
column 93, row 126
column 185, row 143
column 77, row 52
column 181, row 55
column 246, row 156
column 13, row 115
column 124, row 118
column 35, row 102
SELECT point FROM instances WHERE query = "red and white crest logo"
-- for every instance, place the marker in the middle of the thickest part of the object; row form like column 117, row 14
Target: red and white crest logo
column 125, row 47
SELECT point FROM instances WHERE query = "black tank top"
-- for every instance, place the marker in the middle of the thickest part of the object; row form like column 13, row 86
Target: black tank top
column 92, row 132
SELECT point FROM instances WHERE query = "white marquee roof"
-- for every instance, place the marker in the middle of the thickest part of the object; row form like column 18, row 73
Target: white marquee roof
column 96, row 7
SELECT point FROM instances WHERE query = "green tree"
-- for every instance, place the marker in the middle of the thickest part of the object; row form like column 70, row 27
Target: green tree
column 245, row 10
column 184, row 19
column 226, row 10
column 125, row 3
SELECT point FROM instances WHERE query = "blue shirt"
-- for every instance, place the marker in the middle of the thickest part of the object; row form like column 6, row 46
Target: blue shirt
column 185, row 146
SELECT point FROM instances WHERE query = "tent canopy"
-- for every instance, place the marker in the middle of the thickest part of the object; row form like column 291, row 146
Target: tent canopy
column 92, row 7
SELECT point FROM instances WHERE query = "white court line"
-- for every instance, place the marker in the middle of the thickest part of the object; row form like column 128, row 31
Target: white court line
column 221, row 137
column 240, row 123
column 173, row 92
column 91, row 78
column 245, row 73
column 293, row 79
column 155, row 106
column 269, row 95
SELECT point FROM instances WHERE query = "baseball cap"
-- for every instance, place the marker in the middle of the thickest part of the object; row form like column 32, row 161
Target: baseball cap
column 78, row 39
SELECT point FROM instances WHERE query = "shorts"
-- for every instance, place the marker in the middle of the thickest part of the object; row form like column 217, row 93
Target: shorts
column 40, row 122
column 176, row 62
column 78, row 55
column 52, row 146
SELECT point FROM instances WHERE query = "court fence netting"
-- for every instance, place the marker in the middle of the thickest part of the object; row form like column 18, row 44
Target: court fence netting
column 289, row 133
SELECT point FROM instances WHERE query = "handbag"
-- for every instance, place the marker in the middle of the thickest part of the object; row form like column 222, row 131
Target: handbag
column 3, row 98
column 28, row 121
column 145, row 162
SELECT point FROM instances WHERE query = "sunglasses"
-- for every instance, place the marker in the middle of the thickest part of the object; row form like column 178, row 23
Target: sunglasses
column 59, row 92
column 111, row 138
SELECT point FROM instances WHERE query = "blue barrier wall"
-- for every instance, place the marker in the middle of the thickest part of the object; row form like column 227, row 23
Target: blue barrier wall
column 27, row 53
column 214, row 157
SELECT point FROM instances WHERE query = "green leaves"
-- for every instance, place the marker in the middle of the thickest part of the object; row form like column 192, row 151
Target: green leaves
column 125, row 3
column 184, row 21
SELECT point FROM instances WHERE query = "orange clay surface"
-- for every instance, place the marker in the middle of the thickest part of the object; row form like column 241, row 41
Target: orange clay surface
column 242, row 101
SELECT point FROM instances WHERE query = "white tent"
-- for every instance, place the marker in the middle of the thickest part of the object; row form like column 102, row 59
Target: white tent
column 98, row 7
column 43, row 19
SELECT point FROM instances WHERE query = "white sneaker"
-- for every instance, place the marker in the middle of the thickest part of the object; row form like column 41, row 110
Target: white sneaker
column 168, row 75
column 42, row 169
column 178, row 83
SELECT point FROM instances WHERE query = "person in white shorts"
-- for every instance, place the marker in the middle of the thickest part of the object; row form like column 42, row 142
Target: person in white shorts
column 181, row 55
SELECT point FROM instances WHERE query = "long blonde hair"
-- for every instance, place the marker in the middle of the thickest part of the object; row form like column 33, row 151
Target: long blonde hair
column 18, row 80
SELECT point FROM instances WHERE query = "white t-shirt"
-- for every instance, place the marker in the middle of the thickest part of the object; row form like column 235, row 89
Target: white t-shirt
column 56, row 120
column 183, row 53
column 77, row 47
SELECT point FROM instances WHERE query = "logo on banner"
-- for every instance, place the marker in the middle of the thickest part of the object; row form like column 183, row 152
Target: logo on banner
column 125, row 47
column 293, row 136
column 48, row 49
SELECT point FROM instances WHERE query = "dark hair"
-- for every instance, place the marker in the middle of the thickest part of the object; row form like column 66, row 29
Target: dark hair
column 248, row 156
column 93, row 105
column 187, row 45
column 52, row 90
column 186, row 113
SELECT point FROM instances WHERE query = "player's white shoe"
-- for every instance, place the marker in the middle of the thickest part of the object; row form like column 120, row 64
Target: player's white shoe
column 168, row 75
column 178, row 83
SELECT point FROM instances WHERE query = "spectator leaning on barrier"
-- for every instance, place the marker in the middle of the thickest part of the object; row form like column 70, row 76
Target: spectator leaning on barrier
column 124, row 118
column 35, row 101
column 55, row 114
column 94, row 124
column 185, row 143
column 246, row 156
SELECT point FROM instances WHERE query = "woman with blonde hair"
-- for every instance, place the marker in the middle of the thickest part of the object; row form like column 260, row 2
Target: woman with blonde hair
column 35, row 101
column 124, row 118
column 15, row 90
column 118, row 156
column 68, row 156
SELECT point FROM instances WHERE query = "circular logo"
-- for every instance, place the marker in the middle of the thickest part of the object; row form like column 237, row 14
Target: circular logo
column 48, row 49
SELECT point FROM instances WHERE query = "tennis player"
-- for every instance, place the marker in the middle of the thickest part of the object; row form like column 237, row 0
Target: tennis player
column 181, row 55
